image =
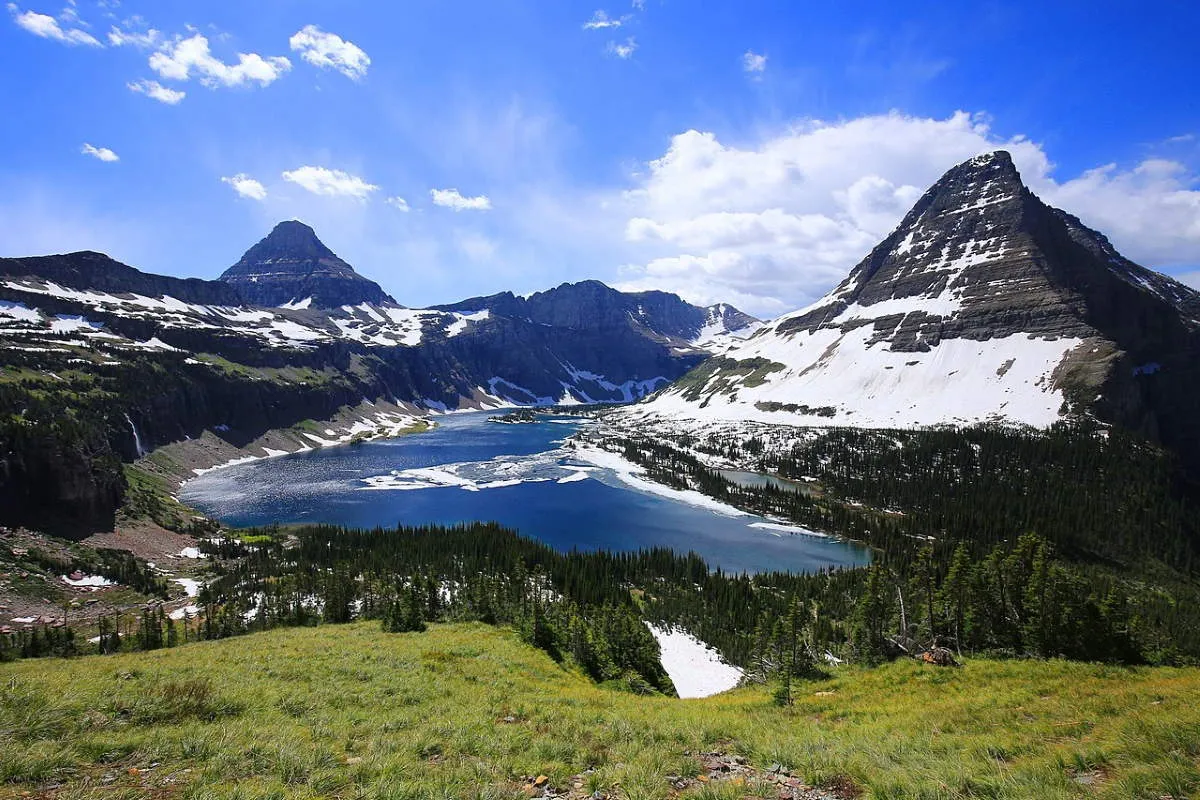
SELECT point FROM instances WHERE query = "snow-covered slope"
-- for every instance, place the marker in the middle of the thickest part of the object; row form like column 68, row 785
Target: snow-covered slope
column 724, row 326
column 292, row 326
column 984, row 304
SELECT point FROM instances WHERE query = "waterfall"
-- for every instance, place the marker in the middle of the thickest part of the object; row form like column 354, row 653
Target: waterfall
column 137, row 438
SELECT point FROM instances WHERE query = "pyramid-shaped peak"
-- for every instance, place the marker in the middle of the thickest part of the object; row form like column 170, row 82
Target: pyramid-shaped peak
column 983, row 193
column 292, row 247
column 294, row 239
column 291, row 264
column 987, row 171
column 1000, row 158
column 292, row 229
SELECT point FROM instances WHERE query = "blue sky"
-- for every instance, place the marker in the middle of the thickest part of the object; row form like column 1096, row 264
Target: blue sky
column 746, row 151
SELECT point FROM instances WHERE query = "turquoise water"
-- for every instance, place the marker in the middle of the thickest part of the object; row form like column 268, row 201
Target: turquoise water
column 469, row 469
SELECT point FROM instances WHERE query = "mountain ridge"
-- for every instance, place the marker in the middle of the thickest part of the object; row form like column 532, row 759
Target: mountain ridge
column 595, row 305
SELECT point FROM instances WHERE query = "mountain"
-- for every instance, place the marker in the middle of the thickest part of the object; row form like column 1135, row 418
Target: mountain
column 141, row 360
column 97, row 272
column 292, row 266
column 593, row 306
column 985, row 304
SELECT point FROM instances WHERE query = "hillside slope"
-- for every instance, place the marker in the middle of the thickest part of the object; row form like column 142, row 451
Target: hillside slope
column 466, row 710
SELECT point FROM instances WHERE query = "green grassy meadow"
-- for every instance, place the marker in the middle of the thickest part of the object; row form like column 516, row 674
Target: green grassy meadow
column 467, row 710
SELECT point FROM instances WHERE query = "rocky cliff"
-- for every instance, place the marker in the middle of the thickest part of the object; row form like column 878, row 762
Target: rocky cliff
column 593, row 306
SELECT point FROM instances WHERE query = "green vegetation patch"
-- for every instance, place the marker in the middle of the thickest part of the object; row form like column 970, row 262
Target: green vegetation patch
column 466, row 710
column 725, row 375
column 288, row 374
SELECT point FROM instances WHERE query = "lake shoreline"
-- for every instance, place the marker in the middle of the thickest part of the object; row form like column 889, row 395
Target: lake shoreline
column 533, row 478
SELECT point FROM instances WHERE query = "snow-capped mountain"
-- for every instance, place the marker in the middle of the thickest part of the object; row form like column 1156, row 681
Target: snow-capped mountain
column 291, row 296
column 984, row 304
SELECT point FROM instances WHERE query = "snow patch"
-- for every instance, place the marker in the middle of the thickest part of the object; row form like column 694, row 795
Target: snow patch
column 630, row 474
column 696, row 669
column 191, row 586
column 92, row 581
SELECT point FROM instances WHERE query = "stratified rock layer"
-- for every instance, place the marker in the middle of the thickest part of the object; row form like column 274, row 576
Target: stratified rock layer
column 291, row 266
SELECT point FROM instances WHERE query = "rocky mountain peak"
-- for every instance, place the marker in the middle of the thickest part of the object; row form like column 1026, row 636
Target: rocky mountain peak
column 293, row 246
column 291, row 265
column 974, row 214
column 983, row 304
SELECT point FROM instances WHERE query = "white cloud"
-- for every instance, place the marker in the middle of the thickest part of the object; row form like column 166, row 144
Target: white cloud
column 625, row 50
column 329, row 51
column 330, row 182
column 779, row 221
column 1151, row 212
column 181, row 59
column 101, row 153
column 398, row 203
column 754, row 63
column 146, row 39
column 476, row 247
column 47, row 27
column 246, row 186
column 157, row 91
column 601, row 20
column 71, row 16
column 451, row 198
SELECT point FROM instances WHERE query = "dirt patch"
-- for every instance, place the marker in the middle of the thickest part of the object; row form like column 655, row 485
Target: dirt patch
column 719, row 767
column 715, row 769
column 147, row 541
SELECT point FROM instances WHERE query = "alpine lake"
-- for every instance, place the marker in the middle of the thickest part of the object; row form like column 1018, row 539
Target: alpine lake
column 523, row 476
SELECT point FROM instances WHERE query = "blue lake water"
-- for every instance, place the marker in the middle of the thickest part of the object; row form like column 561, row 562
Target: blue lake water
column 521, row 476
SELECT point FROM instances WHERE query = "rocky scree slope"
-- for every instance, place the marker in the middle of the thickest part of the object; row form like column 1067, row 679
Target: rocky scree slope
column 985, row 304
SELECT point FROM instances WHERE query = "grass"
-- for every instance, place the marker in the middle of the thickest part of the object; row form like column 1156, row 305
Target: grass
column 148, row 496
column 290, row 374
column 467, row 710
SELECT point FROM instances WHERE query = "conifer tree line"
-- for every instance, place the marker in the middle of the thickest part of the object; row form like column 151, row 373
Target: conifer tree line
column 588, row 609
column 1104, row 526
column 1098, row 495
column 575, row 609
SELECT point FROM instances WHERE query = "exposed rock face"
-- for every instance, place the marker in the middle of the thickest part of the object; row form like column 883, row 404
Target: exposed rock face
column 292, row 265
column 980, row 257
column 984, row 304
column 591, row 305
